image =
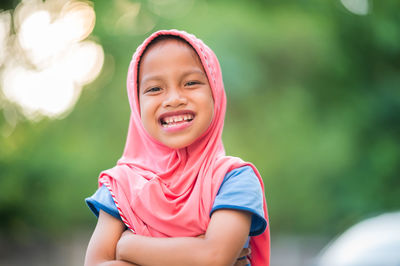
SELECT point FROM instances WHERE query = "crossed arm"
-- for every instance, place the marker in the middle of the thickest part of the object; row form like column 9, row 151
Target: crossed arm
column 222, row 243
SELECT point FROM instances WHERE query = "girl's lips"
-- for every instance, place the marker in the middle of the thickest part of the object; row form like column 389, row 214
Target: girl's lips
column 175, row 127
column 176, row 121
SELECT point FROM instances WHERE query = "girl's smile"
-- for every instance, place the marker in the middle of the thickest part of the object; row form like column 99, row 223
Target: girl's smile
column 176, row 103
column 174, row 121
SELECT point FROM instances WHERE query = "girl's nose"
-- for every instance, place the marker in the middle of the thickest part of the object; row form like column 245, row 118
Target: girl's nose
column 174, row 99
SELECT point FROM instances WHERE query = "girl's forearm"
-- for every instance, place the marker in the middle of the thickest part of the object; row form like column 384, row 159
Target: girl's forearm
column 221, row 244
column 117, row 263
column 102, row 245
column 167, row 251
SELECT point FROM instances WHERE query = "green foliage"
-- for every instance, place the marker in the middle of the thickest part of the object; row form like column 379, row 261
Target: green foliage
column 313, row 102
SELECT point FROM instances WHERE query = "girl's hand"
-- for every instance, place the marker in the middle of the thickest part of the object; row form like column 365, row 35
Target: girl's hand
column 243, row 260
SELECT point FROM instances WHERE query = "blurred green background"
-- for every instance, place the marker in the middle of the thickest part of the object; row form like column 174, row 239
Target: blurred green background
column 313, row 101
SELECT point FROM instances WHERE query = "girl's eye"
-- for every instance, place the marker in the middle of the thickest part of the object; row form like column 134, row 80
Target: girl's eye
column 154, row 89
column 191, row 83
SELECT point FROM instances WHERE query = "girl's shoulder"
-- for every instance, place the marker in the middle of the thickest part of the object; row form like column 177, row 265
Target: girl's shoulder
column 242, row 170
column 242, row 175
column 241, row 190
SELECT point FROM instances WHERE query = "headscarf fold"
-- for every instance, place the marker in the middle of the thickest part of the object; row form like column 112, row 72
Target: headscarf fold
column 164, row 192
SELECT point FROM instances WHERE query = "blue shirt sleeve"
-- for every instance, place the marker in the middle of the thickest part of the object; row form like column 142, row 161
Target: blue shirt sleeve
column 241, row 190
column 102, row 200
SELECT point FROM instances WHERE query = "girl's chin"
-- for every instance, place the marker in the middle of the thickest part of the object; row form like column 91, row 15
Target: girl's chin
column 177, row 142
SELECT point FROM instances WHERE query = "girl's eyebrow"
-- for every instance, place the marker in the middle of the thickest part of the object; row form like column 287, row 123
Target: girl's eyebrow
column 194, row 71
column 150, row 78
column 184, row 74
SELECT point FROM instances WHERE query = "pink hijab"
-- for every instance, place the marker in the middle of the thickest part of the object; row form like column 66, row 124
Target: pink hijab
column 164, row 192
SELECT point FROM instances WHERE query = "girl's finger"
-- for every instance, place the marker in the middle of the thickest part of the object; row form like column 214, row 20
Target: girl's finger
column 242, row 262
column 245, row 252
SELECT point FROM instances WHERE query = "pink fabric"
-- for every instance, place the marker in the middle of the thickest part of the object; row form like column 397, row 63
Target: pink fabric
column 164, row 192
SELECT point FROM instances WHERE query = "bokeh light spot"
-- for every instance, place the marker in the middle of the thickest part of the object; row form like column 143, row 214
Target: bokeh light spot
column 49, row 59
column 5, row 23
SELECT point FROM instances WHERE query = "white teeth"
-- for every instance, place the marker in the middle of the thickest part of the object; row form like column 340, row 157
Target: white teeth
column 168, row 121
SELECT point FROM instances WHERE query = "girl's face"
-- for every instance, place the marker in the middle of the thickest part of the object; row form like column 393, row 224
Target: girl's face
column 176, row 103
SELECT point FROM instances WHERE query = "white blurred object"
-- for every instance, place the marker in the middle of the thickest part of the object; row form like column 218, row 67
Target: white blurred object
column 5, row 25
column 83, row 62
column 372, row 242
column 44, row 37
column 358, row 7
column 47, row 92
column 49, row 60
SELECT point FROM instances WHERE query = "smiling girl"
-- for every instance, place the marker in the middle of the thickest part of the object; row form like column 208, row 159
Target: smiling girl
column 174, row 197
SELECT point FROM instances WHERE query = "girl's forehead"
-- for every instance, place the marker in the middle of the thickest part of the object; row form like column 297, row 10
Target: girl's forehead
column 169, row 43
column 161, row 53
